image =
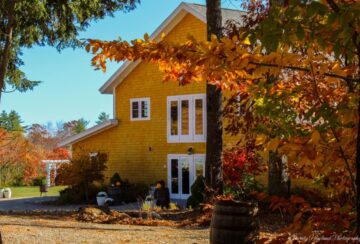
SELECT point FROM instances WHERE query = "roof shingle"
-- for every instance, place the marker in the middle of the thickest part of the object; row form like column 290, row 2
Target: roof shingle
column 227, row 14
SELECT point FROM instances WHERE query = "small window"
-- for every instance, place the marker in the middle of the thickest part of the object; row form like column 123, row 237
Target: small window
column 140, row 109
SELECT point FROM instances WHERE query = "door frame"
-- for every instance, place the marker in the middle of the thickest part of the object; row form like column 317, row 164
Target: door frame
column 192, row 172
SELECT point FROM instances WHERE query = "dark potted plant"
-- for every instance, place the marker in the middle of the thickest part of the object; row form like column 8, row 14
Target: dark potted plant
column 234, row 218
column 114, row 190
column 43, row 186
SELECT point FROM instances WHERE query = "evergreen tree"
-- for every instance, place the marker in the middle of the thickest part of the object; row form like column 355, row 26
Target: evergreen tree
column 3, row 119
column 80, row 125
column 11, row 121
column 25, row 23
column 103, row 117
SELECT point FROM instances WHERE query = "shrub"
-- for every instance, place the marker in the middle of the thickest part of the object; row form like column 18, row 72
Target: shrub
column 131, row 192
column 19, row 181
column 76, row 195
column 116, row 178
column 197, row 190
column 69, row 196
column 39, row 181
column 81, row 173
column 241, row 164
column 249, row 184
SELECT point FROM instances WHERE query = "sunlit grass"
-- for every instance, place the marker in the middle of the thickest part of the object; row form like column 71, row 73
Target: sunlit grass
column 33, row 191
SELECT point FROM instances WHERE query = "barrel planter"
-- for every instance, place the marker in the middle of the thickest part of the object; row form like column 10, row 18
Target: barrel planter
column 234, row 222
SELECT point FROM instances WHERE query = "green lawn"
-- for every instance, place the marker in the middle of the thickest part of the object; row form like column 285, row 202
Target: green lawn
column 33, row 191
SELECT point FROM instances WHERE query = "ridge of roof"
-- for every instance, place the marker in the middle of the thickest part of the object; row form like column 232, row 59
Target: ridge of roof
column 222, row 8
column 198, row 10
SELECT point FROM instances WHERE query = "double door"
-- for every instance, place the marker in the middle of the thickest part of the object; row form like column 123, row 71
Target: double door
column 182, row 172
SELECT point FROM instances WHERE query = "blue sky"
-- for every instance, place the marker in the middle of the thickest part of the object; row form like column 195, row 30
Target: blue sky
column 70, row 85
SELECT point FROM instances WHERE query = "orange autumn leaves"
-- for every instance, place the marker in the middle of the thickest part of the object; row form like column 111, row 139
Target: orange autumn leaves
column 23, row 154
column 227, row 62
column 299, row 77
column 308, row 79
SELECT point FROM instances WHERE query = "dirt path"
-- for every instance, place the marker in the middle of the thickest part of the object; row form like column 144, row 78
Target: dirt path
column 16, row 229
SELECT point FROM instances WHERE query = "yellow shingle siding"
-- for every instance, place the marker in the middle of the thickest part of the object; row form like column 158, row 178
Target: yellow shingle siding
column 138, row 149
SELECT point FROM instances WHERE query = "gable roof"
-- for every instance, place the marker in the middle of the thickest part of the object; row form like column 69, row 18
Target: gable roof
column 197, row 10
column 226, row 13
column 89, row 132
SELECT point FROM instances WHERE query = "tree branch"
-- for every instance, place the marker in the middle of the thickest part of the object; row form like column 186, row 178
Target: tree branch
column 342, row 153
column 333, row 6
column 306, row 70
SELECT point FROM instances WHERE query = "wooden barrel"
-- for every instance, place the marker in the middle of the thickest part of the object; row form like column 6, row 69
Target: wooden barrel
column 234, row 222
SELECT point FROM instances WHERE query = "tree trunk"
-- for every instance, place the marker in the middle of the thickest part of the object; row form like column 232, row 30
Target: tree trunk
column 7, row 48
column 357, row 163
column 358, row 172
column 278, row 180
column 214, row 143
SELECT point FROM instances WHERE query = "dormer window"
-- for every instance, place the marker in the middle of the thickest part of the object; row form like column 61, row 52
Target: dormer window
column 140, row 109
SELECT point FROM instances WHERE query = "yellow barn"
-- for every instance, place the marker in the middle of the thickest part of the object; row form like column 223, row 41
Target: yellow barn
column 158, row 130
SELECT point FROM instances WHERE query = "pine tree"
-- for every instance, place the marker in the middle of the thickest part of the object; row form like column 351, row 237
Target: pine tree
column 81, row 125
column 11, row 121
column 103, row 117
column 27, row 23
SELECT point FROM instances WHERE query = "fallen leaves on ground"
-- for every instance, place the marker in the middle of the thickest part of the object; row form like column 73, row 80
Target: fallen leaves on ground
column 175, row 218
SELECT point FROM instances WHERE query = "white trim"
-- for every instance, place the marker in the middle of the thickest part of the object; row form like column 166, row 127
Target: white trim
column 114, row 103
column 50, row 161
column 93, row 154
column 166, row 26
column 51, row 165
column 89, row 132
column 192, row 172
column 139, row 101
column 191, row 137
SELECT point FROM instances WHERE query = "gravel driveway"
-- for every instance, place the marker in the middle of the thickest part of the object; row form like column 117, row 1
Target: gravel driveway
column 35, row 204
column 15, row 229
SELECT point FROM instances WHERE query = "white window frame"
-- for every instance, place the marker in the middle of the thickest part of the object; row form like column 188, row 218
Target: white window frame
column 192, row 174
column 191, row 137
column 139, row 100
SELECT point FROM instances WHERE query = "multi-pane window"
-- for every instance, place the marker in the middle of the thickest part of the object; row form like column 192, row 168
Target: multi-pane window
column 140, row 109
column 186, row 118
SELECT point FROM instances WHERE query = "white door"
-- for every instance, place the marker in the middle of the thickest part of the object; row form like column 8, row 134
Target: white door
column 182, row 172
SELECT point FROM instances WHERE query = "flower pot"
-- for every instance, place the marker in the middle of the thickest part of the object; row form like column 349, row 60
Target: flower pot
column 7, row 193
column 101, row 198
column 234, row 222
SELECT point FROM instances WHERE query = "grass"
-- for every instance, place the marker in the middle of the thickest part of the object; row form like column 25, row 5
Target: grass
column 298, row 183
column 33, row 191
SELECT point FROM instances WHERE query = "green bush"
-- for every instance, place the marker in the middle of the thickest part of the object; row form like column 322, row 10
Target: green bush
column 69, row 196
column 197, row 191
column 249, row 184
column 82, row 172
column 77, row 195
column 39, row 181
column 131, row 192
column 19, row 181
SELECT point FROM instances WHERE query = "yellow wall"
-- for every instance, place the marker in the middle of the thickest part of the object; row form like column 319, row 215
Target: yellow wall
column 128, row 144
